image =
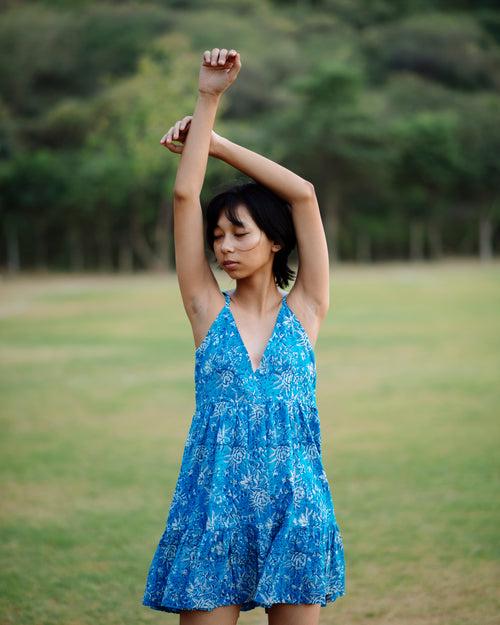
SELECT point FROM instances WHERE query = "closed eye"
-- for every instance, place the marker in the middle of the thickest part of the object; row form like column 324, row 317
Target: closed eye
column 218, row 236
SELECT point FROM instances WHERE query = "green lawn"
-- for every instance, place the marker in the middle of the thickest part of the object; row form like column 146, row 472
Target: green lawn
column 96, row 401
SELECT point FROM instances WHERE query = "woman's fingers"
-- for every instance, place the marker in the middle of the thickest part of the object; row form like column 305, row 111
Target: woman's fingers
column 175, row 131
column 168, row 143
column 234, row 68
column 185, row 122
column 214, row 57
column 165, row 137
column 219, row 56
column 222, row 56
column 181, row 125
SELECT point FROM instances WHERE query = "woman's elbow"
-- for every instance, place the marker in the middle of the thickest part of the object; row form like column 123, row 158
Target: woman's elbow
column 306, row 192
column 309, row 190
column 185, row 193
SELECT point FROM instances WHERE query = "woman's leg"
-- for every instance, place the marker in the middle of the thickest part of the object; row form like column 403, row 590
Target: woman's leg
column 225, row 615
column 294, row 614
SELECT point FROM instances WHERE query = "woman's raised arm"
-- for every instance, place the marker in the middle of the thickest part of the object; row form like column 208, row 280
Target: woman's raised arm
column 311, row 291
column 274, row 176
column 218, row 71
column 198, row 285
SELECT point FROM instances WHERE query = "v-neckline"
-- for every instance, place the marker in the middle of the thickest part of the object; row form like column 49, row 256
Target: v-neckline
column 269, row 341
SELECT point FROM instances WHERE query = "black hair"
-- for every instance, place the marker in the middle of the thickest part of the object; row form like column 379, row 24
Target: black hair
column 271, row 213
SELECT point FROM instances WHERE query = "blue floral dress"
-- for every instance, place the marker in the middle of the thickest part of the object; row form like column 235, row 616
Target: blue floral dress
column 252, row 519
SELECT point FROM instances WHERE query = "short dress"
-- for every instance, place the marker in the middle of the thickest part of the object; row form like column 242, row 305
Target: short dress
column 252, row 520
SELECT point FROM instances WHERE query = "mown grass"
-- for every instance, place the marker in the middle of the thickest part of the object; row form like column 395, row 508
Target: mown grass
column 96, row 400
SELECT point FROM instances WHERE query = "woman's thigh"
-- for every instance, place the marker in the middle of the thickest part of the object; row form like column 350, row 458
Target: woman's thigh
column 225, row 615
column 294, row 614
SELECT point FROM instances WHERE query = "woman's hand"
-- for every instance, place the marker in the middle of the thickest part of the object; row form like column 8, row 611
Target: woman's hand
column 218, row 70
column 179, row 131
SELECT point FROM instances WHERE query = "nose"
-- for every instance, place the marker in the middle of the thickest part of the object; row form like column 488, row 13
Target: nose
column 226, row 245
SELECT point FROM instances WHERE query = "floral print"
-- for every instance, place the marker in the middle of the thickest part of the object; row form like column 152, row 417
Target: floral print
column 252, row 518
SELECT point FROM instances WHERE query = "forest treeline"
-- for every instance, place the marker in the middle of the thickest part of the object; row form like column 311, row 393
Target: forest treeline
column 390, row 108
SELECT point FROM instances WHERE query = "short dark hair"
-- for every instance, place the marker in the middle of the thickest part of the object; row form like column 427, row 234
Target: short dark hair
column 271, row 213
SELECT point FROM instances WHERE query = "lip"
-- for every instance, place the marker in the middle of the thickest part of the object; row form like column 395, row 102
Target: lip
column 229, row 263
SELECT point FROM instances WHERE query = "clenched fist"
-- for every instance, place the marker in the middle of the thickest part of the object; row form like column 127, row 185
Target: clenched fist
column 218, row 70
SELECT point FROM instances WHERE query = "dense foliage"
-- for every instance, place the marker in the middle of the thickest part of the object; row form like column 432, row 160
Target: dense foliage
column 391, row 109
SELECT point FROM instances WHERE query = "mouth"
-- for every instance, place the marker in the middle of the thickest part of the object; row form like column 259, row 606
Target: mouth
column 229, row 263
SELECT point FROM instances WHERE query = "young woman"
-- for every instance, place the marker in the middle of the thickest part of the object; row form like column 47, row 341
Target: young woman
column 252, row 519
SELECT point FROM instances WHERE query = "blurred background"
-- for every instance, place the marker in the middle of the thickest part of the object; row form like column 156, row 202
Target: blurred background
column 392, row 110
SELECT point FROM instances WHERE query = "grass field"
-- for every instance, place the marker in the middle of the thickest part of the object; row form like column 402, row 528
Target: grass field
column 96, row 401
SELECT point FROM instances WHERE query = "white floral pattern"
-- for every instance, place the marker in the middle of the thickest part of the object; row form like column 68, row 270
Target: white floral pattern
column 252, row 518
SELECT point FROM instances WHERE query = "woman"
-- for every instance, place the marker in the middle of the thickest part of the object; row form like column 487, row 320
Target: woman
column 252, row 521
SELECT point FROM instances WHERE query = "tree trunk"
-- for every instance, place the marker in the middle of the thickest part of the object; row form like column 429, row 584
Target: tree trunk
column 12, row 244
column 416, row 240
column 331, row 203
column 75, row 248
column 435, row 240
column 125, row 257
column 140, row 245
column 485, row 238
column 162, row 236
column 363, row 247
column 41, row 245
column 104, row 245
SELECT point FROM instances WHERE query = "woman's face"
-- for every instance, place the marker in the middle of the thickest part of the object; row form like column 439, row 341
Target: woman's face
column 246, row 245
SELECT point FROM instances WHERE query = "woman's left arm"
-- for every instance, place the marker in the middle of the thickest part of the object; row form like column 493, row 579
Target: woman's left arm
column 275, row 177
column 311, row 291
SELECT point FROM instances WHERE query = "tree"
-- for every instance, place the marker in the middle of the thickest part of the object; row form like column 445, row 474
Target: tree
column 129, row 120
column 426, row 170
column 479, row 186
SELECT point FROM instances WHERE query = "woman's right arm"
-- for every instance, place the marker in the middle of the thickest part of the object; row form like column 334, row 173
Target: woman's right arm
column 217, row 72
column 198, row 285
column 194, row 158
